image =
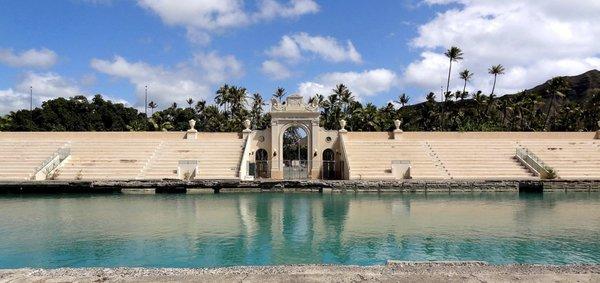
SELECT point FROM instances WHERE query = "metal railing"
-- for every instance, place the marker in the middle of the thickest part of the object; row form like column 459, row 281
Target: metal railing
column 259, row 169
column 296, row 169
column 62, row 153
column 534, row 162
column 332, row 170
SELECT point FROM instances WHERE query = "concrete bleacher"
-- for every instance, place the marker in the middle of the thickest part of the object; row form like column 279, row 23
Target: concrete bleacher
column 217, row 158
column 480, row 159
column 19, row 159
column 371, row 159
column 571, row 159
column 107, row 160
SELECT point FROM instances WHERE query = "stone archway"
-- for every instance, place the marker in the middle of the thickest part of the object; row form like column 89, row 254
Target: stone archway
column 295, row 143
column 294, row 113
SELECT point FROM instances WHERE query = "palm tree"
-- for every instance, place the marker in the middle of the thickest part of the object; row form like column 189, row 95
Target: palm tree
column 190, row 101
column 403, row 99
column 454, row 54
column 556, row 89
column 466, row 76
column 506, row 105
column 222, row 97
column 346, row 98
column 152, row 106
column 496, row 70
column 430, row 97
column 279, row 93
column 257, row 109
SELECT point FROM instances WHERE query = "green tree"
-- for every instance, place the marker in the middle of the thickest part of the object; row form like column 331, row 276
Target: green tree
column 495, row 71
column 556, row 91
column 403, row 99
column 466, row 76
column 454, row 54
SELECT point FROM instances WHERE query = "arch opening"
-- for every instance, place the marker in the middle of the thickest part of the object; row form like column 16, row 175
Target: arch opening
column 295, row 153
column 262, row 164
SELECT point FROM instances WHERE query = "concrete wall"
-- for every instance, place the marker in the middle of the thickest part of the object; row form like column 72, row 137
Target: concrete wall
column 474, row 135
column 91, row 136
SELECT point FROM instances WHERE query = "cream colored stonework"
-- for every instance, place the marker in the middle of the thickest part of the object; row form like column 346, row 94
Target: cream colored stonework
column 360, row 155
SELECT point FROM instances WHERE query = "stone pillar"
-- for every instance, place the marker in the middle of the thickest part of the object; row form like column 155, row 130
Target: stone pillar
column 398, row 132
column 247, row 131
column 314, row 153
column 276, row 155
column 192, row 133
column 342, row 138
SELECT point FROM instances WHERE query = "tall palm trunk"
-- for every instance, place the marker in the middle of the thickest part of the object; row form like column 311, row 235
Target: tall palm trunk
column 464, row 88
column 494, row 87
column 548, row 112
column 448, row 83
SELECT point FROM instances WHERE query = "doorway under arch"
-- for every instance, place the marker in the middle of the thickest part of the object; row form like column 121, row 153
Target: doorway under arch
column 328, row 168
column 295, row 153
column 262, row 163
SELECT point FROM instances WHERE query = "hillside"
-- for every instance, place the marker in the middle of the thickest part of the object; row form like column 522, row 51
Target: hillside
column 581, row 86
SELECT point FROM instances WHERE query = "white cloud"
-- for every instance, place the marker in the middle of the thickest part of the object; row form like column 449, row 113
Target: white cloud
column 270, row 9
column 295, row 47
column 328, row 48
column 275, row 70
column 11, row 99
column 287, row 49
column 195, row 78
column 366, row 83
column 45, row 86
column 534, row 40
column 200, row 17
column 35, row 58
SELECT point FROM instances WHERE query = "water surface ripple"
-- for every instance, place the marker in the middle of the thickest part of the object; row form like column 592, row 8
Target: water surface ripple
column 270, row 229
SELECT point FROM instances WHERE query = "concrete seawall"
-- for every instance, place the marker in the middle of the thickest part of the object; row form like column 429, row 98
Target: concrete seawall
column 345, row 186
column 402, row 272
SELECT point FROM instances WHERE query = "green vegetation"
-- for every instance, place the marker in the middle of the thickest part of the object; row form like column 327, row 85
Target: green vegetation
column 561, row 104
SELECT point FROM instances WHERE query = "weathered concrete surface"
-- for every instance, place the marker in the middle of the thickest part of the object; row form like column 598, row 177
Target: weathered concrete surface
column 423, row 272
column 180, row 186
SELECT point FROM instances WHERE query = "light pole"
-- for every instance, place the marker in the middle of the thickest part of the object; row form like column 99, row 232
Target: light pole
column 30, row 98
column 146, row 101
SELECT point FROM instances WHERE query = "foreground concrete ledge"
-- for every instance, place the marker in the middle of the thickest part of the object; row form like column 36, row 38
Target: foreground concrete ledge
column 413, row 272
column 321, row 186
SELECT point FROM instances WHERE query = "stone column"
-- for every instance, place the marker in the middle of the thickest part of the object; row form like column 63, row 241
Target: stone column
column 398, row 132
column 192, row 133
column 247, row 131
column 276, row 152
column 315, row 152
column 342, row 138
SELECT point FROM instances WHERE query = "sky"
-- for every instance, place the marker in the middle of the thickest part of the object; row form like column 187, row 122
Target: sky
column 379, row 48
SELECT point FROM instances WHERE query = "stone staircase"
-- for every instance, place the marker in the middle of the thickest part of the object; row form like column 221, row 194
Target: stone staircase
column 107, row 160
column 19, row 159
column 217, row 159
column 371, row 159
column 480, row 159
column 572, row 159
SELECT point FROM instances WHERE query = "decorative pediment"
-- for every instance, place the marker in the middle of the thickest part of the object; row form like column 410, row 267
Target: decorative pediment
column 293, row 103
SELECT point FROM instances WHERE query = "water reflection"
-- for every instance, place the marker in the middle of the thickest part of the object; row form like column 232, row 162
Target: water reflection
column 260, row 229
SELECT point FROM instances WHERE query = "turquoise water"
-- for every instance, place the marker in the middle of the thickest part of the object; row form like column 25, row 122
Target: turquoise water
column 269, row 229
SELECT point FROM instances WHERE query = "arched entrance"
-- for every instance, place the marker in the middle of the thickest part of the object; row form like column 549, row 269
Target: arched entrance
column 295, row 153
column 262, row 164
column 328, row 165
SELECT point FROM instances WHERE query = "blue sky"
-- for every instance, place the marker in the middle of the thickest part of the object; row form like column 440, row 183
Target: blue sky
column 188, row 48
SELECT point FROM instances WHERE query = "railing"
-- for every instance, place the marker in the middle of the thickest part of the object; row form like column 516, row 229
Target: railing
column 61, row 153
column 332, row 170
column 296, row 169
column 187, row 169
column 535, row 163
